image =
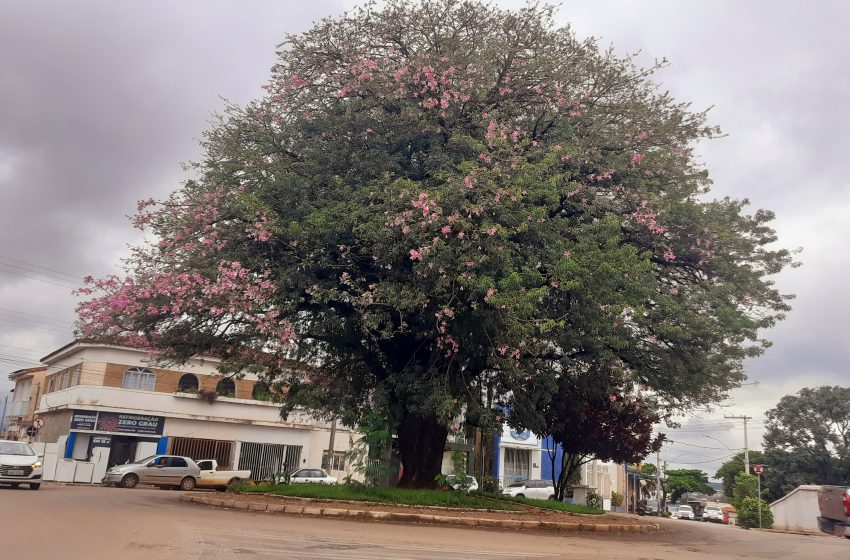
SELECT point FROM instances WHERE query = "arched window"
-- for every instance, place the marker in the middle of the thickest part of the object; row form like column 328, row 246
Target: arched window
column 226, row 388
column 140, row 379
column 188, row 384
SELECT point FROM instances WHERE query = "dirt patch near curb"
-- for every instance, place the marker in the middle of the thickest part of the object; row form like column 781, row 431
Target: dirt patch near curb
column 528, row 514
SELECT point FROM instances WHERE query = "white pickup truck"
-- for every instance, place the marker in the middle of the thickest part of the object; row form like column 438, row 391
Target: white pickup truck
column 212, row 477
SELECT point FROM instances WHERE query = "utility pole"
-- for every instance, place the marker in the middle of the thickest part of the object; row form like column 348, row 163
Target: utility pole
column 328, row 462
column 746, row 446
column 658, row 479
column 3, row 418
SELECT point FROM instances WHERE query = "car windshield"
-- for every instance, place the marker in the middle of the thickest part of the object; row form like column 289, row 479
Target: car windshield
column 16, row 448
column 516, row 485
column 684, row 508
column 711, row 508
column 653, row 503
column 145, row 460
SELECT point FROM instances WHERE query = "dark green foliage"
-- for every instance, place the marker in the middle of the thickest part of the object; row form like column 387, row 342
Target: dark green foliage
column 680, row 481
column 808, row 439
column 748, row 514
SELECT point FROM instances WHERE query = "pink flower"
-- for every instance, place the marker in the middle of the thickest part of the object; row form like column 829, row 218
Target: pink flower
column 484, row 157
column 446, row 229
column 637, row 158
column 460, row 235
column 415, row 255
column 492, row 230
column 490, row 293
column 612, row 398
column 469, row 182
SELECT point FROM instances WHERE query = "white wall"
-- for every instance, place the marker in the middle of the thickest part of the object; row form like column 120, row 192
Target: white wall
column 798, row 510
column 180, row 405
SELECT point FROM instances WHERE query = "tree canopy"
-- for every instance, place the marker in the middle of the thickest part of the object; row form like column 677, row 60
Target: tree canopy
column 437, row 199
column 734, row 466
column 681, row 481
column 807, row 439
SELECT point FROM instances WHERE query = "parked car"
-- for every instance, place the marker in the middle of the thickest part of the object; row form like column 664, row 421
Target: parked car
column 834, row 504
column 220, row 479
column 19, row 464
column 314, row 476
column 713, row 514
column 684, row 512
column 648, row 507
column 452, row 481
column 536, row 489
column 156, row 470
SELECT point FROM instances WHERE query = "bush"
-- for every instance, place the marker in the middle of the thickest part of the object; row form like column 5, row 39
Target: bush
column 748, row 514
column 489, row 484
column 616, row 499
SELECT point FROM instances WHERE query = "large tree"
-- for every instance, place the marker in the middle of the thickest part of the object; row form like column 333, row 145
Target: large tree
column 807, row 440
column 682, row 481
column 439, row 199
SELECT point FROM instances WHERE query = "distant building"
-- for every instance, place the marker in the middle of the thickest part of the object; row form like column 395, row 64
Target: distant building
column 29, row 385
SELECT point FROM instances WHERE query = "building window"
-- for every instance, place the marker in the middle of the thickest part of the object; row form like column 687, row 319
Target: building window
column 333, row 461
column 66, row 378
column 188, row 384
column 226, row 388
column 50, row 383
column 140, row 379
column 75, row 374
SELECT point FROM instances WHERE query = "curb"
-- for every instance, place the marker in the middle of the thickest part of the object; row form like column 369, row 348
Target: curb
column 397, row 517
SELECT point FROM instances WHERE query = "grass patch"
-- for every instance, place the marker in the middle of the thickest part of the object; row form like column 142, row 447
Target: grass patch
column 400, row 496
column 548, row 504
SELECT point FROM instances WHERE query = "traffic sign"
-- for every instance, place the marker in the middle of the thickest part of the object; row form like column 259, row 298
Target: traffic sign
column 38, row 422
column 758, row 469
column 32, row 432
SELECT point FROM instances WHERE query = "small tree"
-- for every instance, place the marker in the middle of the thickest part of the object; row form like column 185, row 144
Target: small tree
column 748, row 514
column 735, row 466
column 588, row 417
column 746, row 486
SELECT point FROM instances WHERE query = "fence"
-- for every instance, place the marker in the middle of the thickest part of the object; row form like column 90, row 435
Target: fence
column 267, row 459
column 197, row 449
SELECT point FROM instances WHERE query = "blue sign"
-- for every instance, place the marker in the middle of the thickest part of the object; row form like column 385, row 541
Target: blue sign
column 520, row 436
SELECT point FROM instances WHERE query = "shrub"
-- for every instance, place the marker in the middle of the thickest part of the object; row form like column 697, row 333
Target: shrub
column 616, row 499
column 748, row 514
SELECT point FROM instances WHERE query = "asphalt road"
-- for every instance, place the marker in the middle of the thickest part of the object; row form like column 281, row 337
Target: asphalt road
column 116, row 524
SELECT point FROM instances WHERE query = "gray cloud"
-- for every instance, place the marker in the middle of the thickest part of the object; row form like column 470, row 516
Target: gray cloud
column 102, row 101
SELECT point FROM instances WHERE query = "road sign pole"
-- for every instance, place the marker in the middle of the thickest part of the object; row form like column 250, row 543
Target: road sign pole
column 759, row 484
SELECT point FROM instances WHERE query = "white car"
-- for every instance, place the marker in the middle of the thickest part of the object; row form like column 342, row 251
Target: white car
column 684, row 512
column 452, row 481
column 712, row 513
column 534, row 489
column 19, row 465
column 314, row 476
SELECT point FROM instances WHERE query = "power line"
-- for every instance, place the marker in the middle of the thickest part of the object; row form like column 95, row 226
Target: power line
column 703, row 446
column 53, row 271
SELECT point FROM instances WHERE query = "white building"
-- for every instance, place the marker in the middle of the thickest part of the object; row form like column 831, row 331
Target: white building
column 797, row 510
column 104, row 405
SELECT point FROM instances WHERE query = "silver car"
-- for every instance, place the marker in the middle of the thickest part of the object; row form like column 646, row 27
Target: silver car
column 156, row 470
column 19, row 465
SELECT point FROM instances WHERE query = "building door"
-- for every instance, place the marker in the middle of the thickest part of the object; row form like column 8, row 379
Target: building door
column 123, row 450
column 517, row 465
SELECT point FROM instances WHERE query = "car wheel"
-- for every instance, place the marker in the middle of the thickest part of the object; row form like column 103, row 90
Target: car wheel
column 552, row 497
column 35, row 486
column 14, row 485
column 130, row 481
column 187, row 484
column 520, row 496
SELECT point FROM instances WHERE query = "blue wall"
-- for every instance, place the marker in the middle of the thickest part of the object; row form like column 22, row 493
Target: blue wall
column 546, row 461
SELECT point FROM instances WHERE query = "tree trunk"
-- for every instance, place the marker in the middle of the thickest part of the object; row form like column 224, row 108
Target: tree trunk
column 421, row 441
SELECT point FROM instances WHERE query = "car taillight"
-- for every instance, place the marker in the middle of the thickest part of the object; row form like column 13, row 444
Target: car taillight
column 847, row 502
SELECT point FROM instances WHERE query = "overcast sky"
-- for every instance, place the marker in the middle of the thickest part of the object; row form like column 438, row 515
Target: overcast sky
column 100, row 102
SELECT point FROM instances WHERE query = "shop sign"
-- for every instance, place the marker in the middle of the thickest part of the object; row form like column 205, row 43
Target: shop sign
column 83, row 420
column 130, row 423
column 101, row 440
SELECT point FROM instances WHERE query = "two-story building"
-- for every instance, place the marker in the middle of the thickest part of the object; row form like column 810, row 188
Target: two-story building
column 21, row 405
column 106, row 401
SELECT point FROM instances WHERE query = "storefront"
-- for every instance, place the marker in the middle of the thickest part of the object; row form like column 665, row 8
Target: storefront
column 518, row 456
column 127, row 436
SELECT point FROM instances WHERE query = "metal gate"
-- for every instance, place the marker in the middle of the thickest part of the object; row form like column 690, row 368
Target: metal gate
column 198, row 449
column 266, row 459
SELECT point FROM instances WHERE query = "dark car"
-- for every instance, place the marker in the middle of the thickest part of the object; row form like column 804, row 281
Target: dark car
column 648, row 507
column 834, row 504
